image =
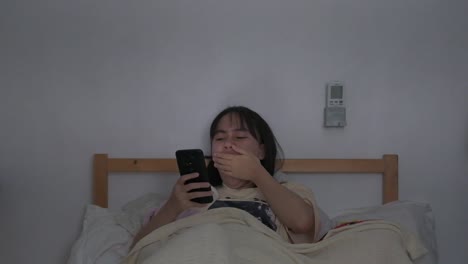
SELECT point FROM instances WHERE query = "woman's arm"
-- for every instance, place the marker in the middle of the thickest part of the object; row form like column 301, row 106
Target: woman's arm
column 289, row 207
column 179, row 201
column 164, row 216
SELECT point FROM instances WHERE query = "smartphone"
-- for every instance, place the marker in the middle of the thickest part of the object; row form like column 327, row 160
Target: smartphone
column 193, row 160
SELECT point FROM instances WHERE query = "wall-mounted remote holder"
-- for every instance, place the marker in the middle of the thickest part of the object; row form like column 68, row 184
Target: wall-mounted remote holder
column 335, row 111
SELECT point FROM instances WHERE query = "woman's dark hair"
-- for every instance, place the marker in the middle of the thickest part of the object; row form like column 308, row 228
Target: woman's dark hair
column 260, row 130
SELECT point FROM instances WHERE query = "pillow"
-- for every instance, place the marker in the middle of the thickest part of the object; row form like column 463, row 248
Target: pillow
column 101, row 239
column 107, row 234
column 134, row 212
column 413, row 216
column 325, row 223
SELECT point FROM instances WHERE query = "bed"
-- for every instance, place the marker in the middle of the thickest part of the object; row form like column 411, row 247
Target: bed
column 394, row 232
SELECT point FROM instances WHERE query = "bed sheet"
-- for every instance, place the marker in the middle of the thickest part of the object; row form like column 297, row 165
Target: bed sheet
column 231, row 235
column 106, row 234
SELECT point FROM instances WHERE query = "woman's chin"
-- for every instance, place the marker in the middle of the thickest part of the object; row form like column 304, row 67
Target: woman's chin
column 235, row 183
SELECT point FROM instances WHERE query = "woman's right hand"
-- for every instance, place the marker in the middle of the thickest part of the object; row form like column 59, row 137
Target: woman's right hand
column 180, row 196
column 178, row 202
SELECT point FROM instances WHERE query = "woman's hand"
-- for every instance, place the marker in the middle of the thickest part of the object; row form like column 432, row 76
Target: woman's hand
column 180, row 196
column 244, row 165
column 178, row 202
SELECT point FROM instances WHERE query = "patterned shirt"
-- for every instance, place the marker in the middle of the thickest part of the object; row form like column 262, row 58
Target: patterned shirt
column 252, row 201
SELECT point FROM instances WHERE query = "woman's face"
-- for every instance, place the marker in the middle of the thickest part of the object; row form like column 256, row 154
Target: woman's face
column 231, row 132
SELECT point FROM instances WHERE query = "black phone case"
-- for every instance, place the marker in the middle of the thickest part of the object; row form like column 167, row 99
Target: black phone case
column 193, row 160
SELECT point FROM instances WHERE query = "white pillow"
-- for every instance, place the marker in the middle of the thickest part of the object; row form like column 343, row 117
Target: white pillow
column 107, row 234
column 134, row 212
column 101, row 239
column 413, row 216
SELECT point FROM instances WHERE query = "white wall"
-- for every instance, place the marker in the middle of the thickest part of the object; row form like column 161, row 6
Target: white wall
column 141, row 79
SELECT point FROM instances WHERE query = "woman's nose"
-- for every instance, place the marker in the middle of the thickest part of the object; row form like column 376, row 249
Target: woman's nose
column 227, row 144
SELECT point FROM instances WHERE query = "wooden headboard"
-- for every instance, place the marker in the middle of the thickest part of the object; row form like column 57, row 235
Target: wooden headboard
column 387, row 166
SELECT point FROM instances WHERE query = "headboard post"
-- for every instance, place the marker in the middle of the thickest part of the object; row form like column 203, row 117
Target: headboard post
column 100, row 185
column 390, row 178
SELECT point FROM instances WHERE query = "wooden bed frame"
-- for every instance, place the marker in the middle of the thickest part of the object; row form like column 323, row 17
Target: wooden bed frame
column 387, row 166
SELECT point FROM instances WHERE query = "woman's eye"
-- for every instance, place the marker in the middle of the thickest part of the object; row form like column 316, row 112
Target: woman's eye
column 219, row 139
column 241, row 137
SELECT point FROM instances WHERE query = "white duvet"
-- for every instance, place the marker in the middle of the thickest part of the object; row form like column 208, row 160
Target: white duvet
column 229, row 235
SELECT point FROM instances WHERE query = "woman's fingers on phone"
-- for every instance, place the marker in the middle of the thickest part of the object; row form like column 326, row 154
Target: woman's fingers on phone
column 196, row 185
column 199, row 194
column 187, row 177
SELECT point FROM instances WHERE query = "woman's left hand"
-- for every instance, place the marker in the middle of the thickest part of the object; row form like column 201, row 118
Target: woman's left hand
column 244, row 165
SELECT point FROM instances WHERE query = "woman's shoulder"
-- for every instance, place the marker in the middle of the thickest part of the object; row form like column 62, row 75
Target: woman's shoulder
column 282, row 178
column 299, row 189
column 294, row 185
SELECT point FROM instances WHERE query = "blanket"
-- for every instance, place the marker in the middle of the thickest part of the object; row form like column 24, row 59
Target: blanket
column 230, row 235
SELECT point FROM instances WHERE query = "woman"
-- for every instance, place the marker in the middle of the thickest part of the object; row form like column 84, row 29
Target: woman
column 244, row 160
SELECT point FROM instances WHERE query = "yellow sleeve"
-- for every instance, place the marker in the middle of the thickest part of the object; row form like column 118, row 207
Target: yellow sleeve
column 308, row 197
